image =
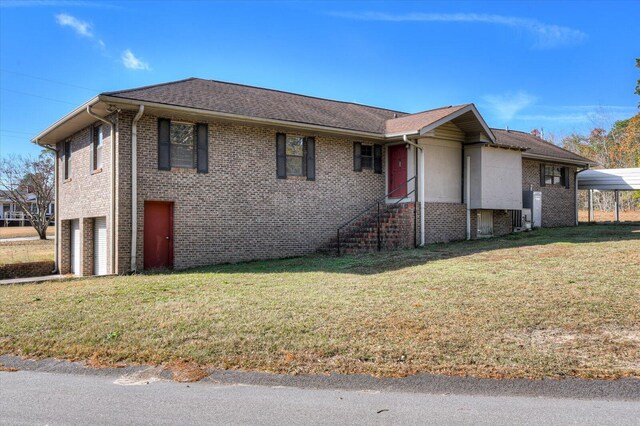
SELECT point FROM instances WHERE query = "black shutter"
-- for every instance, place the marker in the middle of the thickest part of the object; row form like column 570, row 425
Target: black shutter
column 377, row 159
column 92, row 143
column 164, row 144
column 541, row 174
column 281, row 155
column 357, row 157
column 566, row 176
column 202, row 135
column 310, row 157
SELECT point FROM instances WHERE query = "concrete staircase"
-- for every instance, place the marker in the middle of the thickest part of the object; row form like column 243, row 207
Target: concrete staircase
column 361, row 236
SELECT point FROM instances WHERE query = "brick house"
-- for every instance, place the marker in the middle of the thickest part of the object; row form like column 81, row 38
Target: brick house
column 198, row 172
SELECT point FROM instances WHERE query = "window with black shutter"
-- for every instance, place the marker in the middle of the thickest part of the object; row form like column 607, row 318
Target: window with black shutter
column 295, row 156
column 182, row 145
column 364, row 156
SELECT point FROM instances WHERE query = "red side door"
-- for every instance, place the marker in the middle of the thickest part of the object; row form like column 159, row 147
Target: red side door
column 397, row 171
column 158, row 234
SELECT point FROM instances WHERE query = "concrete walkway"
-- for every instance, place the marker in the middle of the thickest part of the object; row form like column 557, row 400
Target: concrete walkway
column 8, row 240
column 30, row 280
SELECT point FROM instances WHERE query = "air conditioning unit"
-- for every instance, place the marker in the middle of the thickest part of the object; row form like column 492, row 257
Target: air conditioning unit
column 527, row 219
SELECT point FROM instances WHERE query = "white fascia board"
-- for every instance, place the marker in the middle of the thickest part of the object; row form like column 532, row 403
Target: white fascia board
column 557, row 160
column 457, row 114
column 81, row 109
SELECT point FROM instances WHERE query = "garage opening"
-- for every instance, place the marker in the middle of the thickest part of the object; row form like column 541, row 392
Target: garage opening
column 74, row 247
column 100, row 246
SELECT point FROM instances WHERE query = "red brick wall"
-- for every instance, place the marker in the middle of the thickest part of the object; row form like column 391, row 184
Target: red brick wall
column 85, row 195
column 445, row 222
column 558, row 202
column 240, row 210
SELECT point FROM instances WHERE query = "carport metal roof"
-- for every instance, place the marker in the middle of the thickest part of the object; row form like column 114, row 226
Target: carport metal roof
column 610, row 179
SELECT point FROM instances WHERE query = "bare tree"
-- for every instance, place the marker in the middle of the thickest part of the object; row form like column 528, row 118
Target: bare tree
column 29, row 181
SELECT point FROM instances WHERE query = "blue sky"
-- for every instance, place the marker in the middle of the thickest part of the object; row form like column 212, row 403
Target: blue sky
column 562, row 67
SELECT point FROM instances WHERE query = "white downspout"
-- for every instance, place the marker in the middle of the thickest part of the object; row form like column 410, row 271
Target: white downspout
column 422, row 192
column 421, row 189
column 134, row 188
column 467, row 194
column 112, row 208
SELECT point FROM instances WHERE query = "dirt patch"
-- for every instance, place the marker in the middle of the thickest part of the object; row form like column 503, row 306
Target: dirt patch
column 185, row 371
column 7, row 369
column 101, row 360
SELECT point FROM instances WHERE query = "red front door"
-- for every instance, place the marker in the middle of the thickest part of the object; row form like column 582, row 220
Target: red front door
column 158, row 234
column 397, row 171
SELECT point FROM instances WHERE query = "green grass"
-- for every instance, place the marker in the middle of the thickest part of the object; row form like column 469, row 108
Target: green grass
column 26, row 251
column 23, row 231
column 551, row 303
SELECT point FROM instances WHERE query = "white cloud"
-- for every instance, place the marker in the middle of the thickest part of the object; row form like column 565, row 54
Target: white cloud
column 507, row 105
column 130, row 61
column 82, row 28
column 546, row 35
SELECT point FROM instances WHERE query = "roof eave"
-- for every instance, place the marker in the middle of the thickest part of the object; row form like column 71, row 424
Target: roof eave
column 241, row 118
column 82, row 108
column 587, row 163
column 458, row 113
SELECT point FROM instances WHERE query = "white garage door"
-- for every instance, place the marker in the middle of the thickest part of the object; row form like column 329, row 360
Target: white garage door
column 75, row 247
column 100, row 246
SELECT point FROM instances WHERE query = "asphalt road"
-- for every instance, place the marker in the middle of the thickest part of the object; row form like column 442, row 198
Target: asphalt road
column 34, row 397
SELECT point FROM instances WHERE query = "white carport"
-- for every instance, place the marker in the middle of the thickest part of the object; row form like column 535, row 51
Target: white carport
column 609, row 180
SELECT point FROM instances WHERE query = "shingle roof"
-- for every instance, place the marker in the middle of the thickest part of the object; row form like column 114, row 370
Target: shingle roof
column 414, row 122
column 535, row 145
column 252, row 101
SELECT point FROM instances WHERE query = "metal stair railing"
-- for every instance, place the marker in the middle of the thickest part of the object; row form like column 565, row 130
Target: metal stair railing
column 377, row 204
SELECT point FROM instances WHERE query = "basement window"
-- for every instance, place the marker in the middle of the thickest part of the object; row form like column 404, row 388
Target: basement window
column 183, row 145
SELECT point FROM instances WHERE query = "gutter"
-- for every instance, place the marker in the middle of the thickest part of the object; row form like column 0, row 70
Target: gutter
column 584, row 164
column 56, row 237
column 134, row 188
column 112, row 210
column 67, row 117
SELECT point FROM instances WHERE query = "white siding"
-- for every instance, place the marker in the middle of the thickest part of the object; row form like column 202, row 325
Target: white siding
column 443, row 170
column 496, row 178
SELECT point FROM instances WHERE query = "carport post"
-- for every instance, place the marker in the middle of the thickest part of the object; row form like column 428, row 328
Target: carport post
column 590, row 205
column 617, row 206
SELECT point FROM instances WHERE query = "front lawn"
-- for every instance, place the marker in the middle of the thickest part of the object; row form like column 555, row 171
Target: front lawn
column 23, row 231
column 550, row 303
column 12, row 252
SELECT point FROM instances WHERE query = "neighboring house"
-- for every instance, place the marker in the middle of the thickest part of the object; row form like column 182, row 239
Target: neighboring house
column 207, row 172
column 12, row 215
